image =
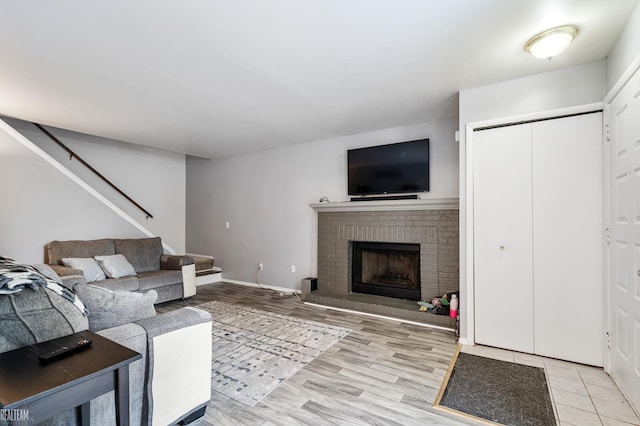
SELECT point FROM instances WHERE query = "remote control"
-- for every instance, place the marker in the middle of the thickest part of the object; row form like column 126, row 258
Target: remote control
column 50, row 351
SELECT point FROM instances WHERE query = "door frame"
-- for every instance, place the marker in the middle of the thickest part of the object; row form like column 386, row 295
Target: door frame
column 622, row 82
column 608, row 220
column 467, row 277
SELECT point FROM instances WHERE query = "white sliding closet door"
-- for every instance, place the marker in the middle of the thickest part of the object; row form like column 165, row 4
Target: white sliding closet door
column 538, row 237
column 503, row 237
column 568, row 238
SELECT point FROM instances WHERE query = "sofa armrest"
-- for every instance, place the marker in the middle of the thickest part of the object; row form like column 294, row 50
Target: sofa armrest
column 63, row 271
column 69, row 276
column 103, row 409
column 70, row 281
column 130, row 335
column 168, row 261
column 179, row 357
column 174, row 320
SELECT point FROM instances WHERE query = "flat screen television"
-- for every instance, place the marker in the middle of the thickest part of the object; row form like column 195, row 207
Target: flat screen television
column 389, row 169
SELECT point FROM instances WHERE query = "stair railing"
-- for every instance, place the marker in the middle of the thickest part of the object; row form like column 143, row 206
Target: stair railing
column 73, row 155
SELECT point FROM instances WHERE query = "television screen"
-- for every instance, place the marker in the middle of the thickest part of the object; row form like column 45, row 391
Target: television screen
column 386, row 169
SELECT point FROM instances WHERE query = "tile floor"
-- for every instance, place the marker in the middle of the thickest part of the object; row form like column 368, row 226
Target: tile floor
column 582, row 395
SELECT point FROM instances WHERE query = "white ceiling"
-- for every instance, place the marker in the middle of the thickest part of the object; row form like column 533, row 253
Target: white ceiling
column 220, row 77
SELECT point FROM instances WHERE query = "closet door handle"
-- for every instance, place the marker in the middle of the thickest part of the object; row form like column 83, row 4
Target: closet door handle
column 502, row 249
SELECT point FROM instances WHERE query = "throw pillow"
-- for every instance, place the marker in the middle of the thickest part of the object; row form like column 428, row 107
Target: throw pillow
column 113, row 308
column 89, row 267
column 115, row 266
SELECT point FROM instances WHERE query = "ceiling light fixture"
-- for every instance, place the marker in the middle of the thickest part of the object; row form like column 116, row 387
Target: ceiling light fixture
column 550, row 43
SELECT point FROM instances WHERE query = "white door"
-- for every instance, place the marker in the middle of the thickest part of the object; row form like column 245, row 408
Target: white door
column 624, row 275
column 503, row 238
column 568, row 238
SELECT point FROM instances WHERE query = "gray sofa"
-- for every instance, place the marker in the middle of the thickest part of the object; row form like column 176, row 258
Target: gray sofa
column 172, row 277
column 172, row 381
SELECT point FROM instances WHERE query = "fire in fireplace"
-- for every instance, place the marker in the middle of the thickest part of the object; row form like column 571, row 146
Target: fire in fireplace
column 386, row 269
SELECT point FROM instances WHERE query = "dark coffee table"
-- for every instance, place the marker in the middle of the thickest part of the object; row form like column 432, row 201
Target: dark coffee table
column 44, row 390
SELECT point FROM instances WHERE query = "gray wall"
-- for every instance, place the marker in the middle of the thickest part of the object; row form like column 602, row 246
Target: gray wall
column 626, row 50
column 265, row 198
column 41, row 204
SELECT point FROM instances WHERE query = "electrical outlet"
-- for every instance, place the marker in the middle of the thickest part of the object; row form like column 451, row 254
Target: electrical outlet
column 260, row 266
column 293, row 268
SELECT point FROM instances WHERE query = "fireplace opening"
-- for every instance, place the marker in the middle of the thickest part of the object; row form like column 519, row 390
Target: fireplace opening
column 386, row 269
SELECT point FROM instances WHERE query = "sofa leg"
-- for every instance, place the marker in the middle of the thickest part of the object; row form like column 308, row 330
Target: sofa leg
column 193, row 416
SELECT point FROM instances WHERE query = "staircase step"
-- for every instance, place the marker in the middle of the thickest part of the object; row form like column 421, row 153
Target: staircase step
column 213, row 270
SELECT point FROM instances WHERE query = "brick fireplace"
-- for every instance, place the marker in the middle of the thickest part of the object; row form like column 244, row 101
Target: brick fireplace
column 435, row 231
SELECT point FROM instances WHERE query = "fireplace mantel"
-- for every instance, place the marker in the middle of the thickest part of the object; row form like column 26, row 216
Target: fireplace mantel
column 445, row 203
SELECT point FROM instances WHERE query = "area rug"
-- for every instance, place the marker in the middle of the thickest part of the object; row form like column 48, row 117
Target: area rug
column 254, row 351
column 498, row 391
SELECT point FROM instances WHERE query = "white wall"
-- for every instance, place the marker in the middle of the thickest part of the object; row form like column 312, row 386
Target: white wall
column 46, row 205
column 265, row 197
column 626, row 49
column 580, row 85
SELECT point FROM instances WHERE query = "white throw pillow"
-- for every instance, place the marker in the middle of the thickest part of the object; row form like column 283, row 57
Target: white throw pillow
column 116, row 266
column 89, row 267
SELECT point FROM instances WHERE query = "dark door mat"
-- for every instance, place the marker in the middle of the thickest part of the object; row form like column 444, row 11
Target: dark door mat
column 498, row 391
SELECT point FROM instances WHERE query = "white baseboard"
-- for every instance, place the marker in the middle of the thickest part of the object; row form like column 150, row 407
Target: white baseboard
column 270, row 287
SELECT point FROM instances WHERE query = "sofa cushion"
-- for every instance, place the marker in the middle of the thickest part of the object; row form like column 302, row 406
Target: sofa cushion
column 56, row 250
column 169, row 292
column 88, row 265
column 113, row 308
column 119, row 284
column 115, row 266
column 153, row 279
column 33, row 316
column 143, row 253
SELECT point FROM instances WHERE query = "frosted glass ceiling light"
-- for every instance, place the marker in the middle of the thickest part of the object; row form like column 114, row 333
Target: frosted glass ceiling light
column 551, row 42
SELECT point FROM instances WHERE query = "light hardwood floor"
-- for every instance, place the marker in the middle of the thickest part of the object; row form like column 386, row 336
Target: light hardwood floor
column 383, row 373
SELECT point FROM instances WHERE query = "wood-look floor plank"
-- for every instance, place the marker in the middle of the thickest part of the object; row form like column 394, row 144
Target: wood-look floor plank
column 345, row 415
column 385, row 372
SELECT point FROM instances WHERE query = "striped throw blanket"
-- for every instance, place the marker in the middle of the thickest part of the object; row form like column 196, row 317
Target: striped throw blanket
column 15, row 277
